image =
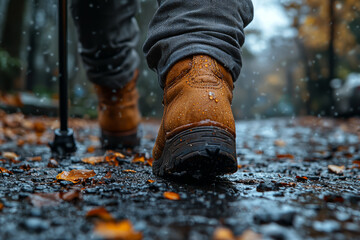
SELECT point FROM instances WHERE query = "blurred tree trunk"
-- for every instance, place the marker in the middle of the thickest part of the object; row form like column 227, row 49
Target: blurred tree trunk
column 12, row 31
column 331, row 58
column 11, row 37
column 30, row 78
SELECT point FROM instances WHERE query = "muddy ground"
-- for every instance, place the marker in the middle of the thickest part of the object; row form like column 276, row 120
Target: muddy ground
column 285, row 187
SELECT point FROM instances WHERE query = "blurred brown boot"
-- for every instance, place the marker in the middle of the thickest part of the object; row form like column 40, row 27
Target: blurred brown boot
column 197, row 134
column 119, row 116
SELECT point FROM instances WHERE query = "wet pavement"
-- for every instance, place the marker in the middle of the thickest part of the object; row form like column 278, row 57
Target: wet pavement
column 297, row 179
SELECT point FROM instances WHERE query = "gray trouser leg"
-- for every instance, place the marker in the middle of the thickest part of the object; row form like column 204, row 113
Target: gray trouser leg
column 182, row 28
column 108, row 34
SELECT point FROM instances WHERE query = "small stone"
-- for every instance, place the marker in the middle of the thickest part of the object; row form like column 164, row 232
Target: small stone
column 35, row 224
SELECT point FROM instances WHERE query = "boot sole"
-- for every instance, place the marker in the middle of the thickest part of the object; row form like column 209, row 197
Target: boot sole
column 111, row 140
column 199, row 151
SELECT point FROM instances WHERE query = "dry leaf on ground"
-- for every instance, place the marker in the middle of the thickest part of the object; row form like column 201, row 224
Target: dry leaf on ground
column 4, row 170
column 280, row 143
column 75, row 175
column 129, row 171
column 91, row 149
column 336, row 169
column 117, row 230
column 137, row 159
column 171, row 196
column 290, row 156
column 1, row 206
column 249, row 235
column 34, row 159
column 101, row 213
column 223, row 233
column 111, row 157
column 53, row 199
column 93, row 160
column 149, row 162
column 10, row 155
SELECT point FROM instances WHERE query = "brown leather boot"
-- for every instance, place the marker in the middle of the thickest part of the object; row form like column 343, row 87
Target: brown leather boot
column 119, row 115
column 197, row 133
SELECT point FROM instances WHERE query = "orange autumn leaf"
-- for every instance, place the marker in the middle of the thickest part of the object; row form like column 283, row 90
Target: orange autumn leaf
column 117, row 230
column 76, row 175
column 129, row 171
column 171, row 196
column 108, row 175
column 301, row 179
column 100, row 212
column 111, row 157
column 140, row 159
column 336, row 169
column 1, row 206
column 53, row 199
column 223, row 233
column 93, row 160
column 90, row 149
column 4, row 170
column 290, row 156
column 20, row 143
column 150, row 162
column 280, row 143
column 150, row 181
column 10, row 155
column 356, row 163
column 249, row 235
column 34, row 159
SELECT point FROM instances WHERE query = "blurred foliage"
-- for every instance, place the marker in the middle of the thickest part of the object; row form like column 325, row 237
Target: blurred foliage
column 325, row 56
column 10, row 68
column 289, row 77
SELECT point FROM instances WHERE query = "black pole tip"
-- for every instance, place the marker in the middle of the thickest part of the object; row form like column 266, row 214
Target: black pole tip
column 64, row 142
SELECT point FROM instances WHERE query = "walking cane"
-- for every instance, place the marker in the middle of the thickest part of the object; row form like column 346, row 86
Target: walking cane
column 64, row 141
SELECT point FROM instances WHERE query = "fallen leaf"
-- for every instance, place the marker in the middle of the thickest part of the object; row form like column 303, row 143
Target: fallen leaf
column 171, row 196
column 290, row 156
column 25, row 167
column 101, row 213
column 140, row 159
column 1, row 206
column 117, row 230
column 10, row 155
column 75, row 175
column 39, row 127
column 53, row 199
column 284, row 184
column 356, row 163
column 108, row 175
column 111, row 157
column 149, row 161
column 53, row 163
column 4, row 170
column 20, row 143
column 334, row 198
column 34, row 159
column 249, row 235
column 91, row 149
column 150, row 181
column 93, row 160
column 336, row 169
column 71, row 195
column 129, row 171
column 222, row 233
column 301, row 179
column 280, row 143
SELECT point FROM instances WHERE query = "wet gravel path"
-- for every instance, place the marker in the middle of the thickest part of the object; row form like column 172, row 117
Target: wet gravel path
column 284, row 188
